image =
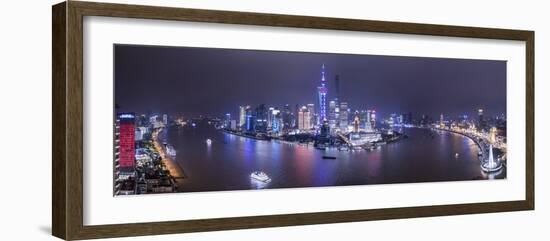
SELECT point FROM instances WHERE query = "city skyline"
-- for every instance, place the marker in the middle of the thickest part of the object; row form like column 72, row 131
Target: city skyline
column 284, row 119
column 181, row 80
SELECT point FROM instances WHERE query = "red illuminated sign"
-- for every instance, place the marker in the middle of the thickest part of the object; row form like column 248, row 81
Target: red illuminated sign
column 127, row 144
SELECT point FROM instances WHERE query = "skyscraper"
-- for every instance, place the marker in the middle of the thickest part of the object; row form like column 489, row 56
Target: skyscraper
column 481, row 119
column 304, row 119
column 331, row 114
column 322, row 91
column 295, row 116
column 337, row 97
column 324, row 135
column 392, row 119
column 325, row 130
column 227, row 120
column 276, row 121
column 311, row 110
column 369, row 113
column 363, row 117
column 344, row 116
column 356, row 123
column 250, row 119
column 261, row 119
column 337, row 88
column 242, row 115
column 126, row 144
column 373, row 118
column 270, row 117
column 368, row 123
column 287, row 117
column 401, row 119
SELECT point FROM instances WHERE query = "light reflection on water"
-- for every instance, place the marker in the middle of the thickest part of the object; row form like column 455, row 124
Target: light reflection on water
column 226, row 164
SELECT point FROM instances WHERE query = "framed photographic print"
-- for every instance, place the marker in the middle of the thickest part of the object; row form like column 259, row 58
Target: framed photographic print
column 171, row 120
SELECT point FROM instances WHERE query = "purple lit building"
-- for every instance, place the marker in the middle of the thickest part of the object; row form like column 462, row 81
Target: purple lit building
column 322, row 90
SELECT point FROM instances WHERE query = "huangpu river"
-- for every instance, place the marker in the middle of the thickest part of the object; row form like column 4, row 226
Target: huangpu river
column 226, row 164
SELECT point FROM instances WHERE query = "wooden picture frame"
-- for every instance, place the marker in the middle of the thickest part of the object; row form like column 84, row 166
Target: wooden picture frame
column 67, row 124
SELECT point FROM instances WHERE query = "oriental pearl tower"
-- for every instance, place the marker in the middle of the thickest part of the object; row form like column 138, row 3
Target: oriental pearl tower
column 322, row 91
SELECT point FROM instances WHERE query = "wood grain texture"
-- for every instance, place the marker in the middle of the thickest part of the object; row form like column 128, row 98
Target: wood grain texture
column 530, row 120
column 74, row 121
column 67, row 156
column 59, row 193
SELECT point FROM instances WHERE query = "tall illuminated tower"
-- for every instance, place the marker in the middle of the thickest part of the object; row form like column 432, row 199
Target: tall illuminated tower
column 322, row 90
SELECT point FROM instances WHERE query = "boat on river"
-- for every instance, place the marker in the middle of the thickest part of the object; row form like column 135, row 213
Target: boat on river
column 260, row 176
column 170, row 150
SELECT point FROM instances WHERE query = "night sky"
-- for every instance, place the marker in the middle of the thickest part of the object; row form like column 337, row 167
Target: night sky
column 208, row 81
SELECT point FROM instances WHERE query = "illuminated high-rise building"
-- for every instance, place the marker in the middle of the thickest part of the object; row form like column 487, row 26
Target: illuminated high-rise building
column 276, row 121
column 481, row 119
column 125, row 149
column 332, row 114
column 304, row 119
column 373, row 118
column 441, row 121
column 126, row 142
column 270, row 117
column 311, row 110
column 324, row 134
column 337, row 88
column 227, row 120
column 153, row 119
column 401, row 119
column 337, row 116
column 322, row 91
column 261, row 119
column 250, row 120
column 287, row 117
column 356, row 123
column 391, row 120
column 369, row 113
column 357, row 114
column 368, row 124
column 242, row 115
column 363, row 117
column 295, row 116
column 344, row 116
column 325, row 130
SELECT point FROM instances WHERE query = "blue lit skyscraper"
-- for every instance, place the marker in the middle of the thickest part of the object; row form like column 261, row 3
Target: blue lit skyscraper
column 276, row 121
column 261, row 119
column 322, row 90
column 250, row 119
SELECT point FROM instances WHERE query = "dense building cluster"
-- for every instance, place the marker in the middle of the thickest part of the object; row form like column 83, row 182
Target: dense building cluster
column 138, row 166
column 305, row 118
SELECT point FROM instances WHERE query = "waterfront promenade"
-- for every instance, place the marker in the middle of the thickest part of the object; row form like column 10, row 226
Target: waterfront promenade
column 175, row 170
column 483, row 146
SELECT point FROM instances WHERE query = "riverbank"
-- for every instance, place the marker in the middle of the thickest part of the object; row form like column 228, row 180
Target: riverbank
column 393, row 139
column 175, row 170
column 247, row 136
column 460, row 133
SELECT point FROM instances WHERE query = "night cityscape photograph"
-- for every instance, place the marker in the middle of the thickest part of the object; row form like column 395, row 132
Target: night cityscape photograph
column 190, row 119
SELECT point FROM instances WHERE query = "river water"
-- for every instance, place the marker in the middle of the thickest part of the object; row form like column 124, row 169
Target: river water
column 226, row 164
